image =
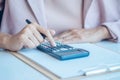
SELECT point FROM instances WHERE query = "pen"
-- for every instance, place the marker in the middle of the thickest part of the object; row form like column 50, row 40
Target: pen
column 114, row 67
column 96, row 71
column 29, row 22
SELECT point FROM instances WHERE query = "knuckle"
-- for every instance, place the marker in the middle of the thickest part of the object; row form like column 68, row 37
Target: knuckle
column 25, row 30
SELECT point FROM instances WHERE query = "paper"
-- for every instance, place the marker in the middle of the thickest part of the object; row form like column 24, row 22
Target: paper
column 71, row 68
column 110, row 45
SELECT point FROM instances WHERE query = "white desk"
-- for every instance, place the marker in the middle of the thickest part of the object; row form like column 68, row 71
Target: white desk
column 110, row 45
column 13, row 69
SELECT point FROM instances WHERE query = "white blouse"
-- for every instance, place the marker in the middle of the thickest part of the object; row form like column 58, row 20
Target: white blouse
column 63, row 15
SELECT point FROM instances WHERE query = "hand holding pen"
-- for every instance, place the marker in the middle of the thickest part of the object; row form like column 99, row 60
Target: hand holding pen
column 42, row 33
column 30, row 36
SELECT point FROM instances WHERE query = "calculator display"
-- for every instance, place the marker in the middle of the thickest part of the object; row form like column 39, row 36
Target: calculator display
column 62, row 51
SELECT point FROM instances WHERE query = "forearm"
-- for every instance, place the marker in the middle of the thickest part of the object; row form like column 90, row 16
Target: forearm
column 3, row 39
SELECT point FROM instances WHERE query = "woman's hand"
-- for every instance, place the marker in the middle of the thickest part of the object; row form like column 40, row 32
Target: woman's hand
column 84, row 35
column 29, row 37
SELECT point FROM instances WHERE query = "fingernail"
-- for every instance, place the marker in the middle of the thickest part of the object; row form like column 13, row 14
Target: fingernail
column 54, row 44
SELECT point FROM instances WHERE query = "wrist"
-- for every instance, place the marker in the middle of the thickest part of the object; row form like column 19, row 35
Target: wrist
column 106, row 34
column 5, row 41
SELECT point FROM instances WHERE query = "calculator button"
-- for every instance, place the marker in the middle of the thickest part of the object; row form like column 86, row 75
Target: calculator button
column 57, row 50
column 63, row 49
column 54, row 51
column 70, row 48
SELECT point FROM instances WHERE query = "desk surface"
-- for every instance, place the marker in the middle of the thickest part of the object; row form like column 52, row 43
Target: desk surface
column 12, row 68
column 110, row 45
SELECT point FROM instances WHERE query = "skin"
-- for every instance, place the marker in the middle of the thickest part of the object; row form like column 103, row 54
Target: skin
column 29, row 37
column 84, row 35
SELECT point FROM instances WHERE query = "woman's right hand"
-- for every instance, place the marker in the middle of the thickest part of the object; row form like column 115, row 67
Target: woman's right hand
column 29, row 37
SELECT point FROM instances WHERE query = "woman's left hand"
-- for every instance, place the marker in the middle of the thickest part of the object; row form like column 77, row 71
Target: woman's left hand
column 84, row 35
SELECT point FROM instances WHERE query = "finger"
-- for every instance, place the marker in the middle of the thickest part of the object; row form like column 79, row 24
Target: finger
column 63, row 35
column 66, row 38
column 28, row 43
column 33, row 38
column 50, row 38
column 47, row 33
column 36, row 34
column 73, row 41
column 71, row 37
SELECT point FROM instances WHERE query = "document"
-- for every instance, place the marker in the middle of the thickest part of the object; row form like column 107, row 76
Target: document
column 99, row 58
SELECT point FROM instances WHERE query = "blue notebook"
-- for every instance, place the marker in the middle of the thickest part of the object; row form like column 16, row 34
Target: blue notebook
column 99, row 57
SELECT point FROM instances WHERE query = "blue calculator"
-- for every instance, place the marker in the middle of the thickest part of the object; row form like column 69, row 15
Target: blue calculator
column 62, row 51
